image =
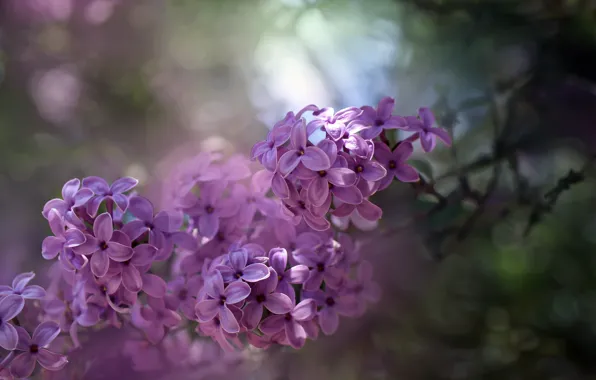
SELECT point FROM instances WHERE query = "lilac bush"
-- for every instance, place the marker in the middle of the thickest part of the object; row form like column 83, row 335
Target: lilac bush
column 242, row 258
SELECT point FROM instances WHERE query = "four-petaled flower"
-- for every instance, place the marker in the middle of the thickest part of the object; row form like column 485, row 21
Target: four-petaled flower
column 237, row 268
column 63, row 237
column 395, row 163
column 292, row 323
column 10, row 307
column 72, row 197
column 379, row 119
column 264, row 294
column 300, row 153
column 20, row 287
column 35, row 351
column 297, row 274
column 333, row 123
column 424, row 127
column 113, row 193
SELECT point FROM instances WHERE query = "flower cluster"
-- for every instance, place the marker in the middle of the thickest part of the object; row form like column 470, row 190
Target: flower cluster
column 242, row 256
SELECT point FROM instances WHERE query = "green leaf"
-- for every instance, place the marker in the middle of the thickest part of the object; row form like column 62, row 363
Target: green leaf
column 423, row 167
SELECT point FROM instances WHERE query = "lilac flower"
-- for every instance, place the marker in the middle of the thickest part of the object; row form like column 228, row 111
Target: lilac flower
column 105, row 246
column 291, row 323
column 132, row 270
column 337, row 176
column 72, row 197
column 10, row 307
column 237, row 268
column 395, row 163
column 424, row 127
column 334, row 124
column 255, row 199
column 367, row 169
column 85, row 315
column 63, row 237
column 155, row 319
column 194, row 170
column 379, row 119
column 263, row 294
column 183, row 293
column 20, row 288
column 298, row 274
column 311, row 157
column 211, row 207
column 214, row 329
column 113, row 193
column 366, row 210
column 266, row 151
column 322, row 266
column 300, row 208
column 332, row 304
column 217, row 305
column 24, row 364
column 364, row 288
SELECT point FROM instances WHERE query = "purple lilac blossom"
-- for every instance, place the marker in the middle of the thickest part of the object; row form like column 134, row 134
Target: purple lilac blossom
column 20, row 288
column 423, row 125
column 34, row 349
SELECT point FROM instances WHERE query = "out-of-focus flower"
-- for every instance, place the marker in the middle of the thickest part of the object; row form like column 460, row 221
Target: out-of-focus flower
column 24, row 364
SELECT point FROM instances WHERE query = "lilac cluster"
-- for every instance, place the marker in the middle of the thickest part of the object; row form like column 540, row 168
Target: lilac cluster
column 242, row 256
column 338, row 160
column 24, row 350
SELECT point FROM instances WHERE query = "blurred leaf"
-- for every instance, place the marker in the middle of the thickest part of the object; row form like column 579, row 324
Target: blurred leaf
column 423, row 167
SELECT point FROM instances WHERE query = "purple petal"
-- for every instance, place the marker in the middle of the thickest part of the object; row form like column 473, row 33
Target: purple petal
column 315, row 159
column 124, row 184
column 33, row 292
column 141, row 207
column 279, row 186
column 335, row 130
column 305, row 310
column 70, row 188
column 253, row 312
column 236, row 292
column 278, row 259
column 228, row 321
column 228, row 274
column 269, row 159
column 58, row 204
column 103, row 227
column 209, row 225
column 24, row 339
column 154, row 285
column 403, row 151
column 296, row 334
column 51, row 360
column 23, row 365
column 288, row 162
column 143, row 254
column 259, row 149
column 131, row 279
column 88, row 247
column 21, row 280
column 395, row 122
column 348, row 114
column 214, row 285
column 82, row 197
column 349, row 195
column 278, row 303
column 238, row 259
column 313, row 126
column 442, row 134
column 134, row 229
column 119, row 252
column 10, row 307
column 318, row 191
column 373, row 171
column 206, row 310
column 427, row 117
column 406, row 173
column 255, row 272
column 428, row 141
column 371, row 133
column 9, row 337
column 121, row 201
column 45, row 333
column 94, row 203
column 385, row 108
column 74, row 238
column 51, row 246
column 342, row 177
column 100, row 263
column 297, row 274
column 97, row 184
column 370, row 211
column 298, row 135
column 272, row 324
column 329, row 320
column 56, row 222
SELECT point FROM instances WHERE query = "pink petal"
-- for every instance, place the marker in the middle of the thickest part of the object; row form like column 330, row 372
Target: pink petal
column 369, row 210
column 278, row 259
column 238, row 259
column 296, row 334
column 428, row 141
column 279, row 186
column 119, row 252
column 297, row 274
column 373, row 171
column 253, row 312
column 298, row 135
column 406, row 173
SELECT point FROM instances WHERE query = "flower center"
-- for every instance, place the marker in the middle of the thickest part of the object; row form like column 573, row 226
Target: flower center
column 392, row 164
column 261, row 298
column 322, row 173
column 379, row 123
column 321, row 267
column 301, row 152
column 149, row 225
column 238, row 274
column 209, row 209
column 103, row 245
column 330, row 301
column 359, row 169
column 302, row 205
column 183, row 294
column 330, row 185
column 220, row 236
column 103, row 289
column 222, row 300
column 288, row 317
column 34, row 348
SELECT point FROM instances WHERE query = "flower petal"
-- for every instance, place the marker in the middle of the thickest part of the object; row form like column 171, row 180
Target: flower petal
column 442, row 134
column 385, row 108
column 298, row 135
column 255, row 272
column 103, row 227
column 33, row 292
column 214, row 285
column 154, row 285
column 51, row 247
column 278, row 259
column 342, row 177
column 329, row 320
column 228, row 321
column 428, row 141
column 100, row 263
column 97, row 184
column 236, row 292
column 278, row 303
column 45, row 333
column 141, row 207
column 305, row 310
column 426, row 116
column 10, row 307
column 82, row 197
column 288, row 162
column 279, row 186
column 297, row 274
column 252, row 314
column 23, row 365
column 315, row 158
column 373, row 171
column 131, row 279
column 406, row 173
column 349, row 195
column 206, row 310
column 124, row 184
column 238, row 259
column 318, row 191
column 296, row 334
column 9, row 337
column 209, row 225
column 272, row 324
column 370, row 211
column 51, row 360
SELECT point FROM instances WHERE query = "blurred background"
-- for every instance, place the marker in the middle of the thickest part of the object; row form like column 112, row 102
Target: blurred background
column 488, row 268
